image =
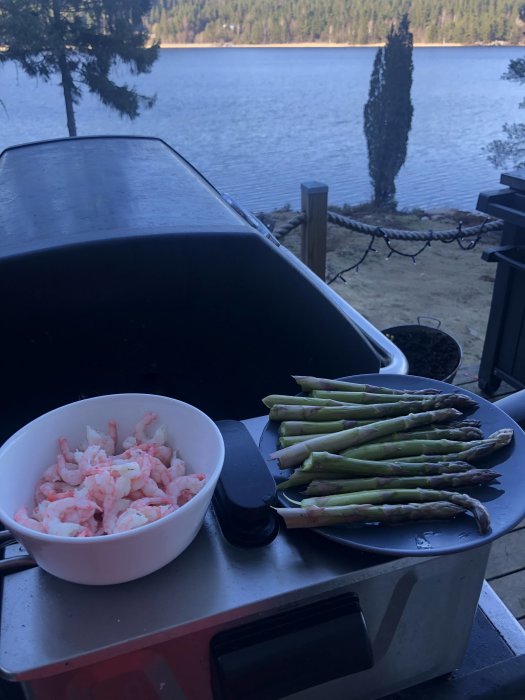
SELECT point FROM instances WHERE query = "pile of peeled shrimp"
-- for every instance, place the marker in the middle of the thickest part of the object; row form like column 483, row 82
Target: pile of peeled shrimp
column 92, row 491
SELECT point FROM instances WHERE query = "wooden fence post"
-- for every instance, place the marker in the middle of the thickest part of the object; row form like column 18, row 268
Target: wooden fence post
column 314, row 203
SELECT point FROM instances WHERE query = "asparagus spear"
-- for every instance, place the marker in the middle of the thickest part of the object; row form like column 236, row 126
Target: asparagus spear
column 298, row 427
column 494, row 442
column 366, row 396
column 320, row 517
column 462, row 434
column 304, row 427
column 273, row 399
column 335, row 442
column 382, row 496
column 309, row 383
column 299, row 478
column 459, row 434
column 400, row 449
column 466, row 423
column 365, row 469
column 326, row 461
column 473, row 477
column 351, row 411
column 287, row 440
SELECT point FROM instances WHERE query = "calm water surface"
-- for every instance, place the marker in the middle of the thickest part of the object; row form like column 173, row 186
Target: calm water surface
column 258, row 122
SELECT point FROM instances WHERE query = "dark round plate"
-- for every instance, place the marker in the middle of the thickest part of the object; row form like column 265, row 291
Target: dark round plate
column 503, row 498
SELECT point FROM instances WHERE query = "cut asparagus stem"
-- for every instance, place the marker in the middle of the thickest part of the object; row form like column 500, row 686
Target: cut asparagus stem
column 298, row 427
column 336, row 442
column 366, row 396
column 322, row 517
column 473, row 477
column 462, row 434
column 494, row 442
column 300, row 477
column 275, row 399
column 410, row 448
column 326, row 461
column 352, row 412
column 287, row 440
column 382, row 496
column 459, row 434
column 309, row 383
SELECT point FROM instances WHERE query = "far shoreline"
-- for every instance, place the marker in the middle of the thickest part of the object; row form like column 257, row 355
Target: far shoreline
column 329, row 45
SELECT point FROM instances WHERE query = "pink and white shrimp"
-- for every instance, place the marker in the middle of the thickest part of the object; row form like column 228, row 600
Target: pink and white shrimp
column 52, row 491
column 143, row 511
column 73, row 511
column 183, row 488
column 22, row 517
column 177, row 466
column 91, row 460
column 69, row 471
column 139, row 434
column 156, row 445
column 106, row 441
column 91, row 491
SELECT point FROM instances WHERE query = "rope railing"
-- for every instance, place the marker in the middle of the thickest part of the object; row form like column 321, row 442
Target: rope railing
column 466, row 237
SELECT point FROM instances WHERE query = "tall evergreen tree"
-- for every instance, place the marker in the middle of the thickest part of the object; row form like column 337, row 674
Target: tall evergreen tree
column 511, row 149
column 388, row 112
column 80, row 41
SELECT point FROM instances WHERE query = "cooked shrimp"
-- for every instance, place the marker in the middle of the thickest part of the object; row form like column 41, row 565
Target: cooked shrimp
column 53, row 491
column 51, row 474
column 139, row 435
column 92, row 491
column 159, row 472
column 183, row 488
column 60, row 517
column 65, row 450
column 91, row 459
column 177, row 466
column 150, row 489
column 23, row 518
column 140, row 513
column 69, row 472
column 107, row 441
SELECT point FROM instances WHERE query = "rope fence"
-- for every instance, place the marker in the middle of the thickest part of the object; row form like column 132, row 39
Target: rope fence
column 314, row 198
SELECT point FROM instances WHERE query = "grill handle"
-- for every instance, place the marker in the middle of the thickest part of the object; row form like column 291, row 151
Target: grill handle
column 245, row 490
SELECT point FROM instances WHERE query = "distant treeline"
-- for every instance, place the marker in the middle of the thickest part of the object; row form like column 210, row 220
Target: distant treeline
column 338, row 21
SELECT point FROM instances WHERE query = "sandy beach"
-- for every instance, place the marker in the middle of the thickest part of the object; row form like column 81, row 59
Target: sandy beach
column 306, row 45
column 444, row 286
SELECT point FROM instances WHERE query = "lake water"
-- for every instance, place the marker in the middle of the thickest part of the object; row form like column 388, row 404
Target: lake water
column 258, row 122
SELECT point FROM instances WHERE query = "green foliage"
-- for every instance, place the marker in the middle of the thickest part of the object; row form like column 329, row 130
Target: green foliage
column 338, row 21
column 388, row 112
column 511, row 149
column 81, row 41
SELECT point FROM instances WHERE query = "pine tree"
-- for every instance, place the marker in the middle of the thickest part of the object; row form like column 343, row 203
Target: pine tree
column 80, row 41
column 388, row 112
column 511, row 149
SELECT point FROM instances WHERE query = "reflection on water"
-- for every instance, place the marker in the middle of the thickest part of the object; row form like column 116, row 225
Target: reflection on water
column 258, row 122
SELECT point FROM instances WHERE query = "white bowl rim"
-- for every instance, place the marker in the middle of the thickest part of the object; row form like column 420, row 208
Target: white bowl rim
column 13, row 525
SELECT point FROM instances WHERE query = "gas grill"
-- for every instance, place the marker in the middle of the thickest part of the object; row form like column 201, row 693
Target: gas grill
column 123, row 269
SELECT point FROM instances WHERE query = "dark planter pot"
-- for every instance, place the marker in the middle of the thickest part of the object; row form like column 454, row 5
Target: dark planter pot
column 430, row 352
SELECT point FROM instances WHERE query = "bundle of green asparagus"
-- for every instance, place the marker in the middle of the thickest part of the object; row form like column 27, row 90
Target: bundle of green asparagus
column 373, row 454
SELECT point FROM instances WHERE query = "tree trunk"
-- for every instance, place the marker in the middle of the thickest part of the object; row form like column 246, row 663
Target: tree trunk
column 67, row 87
column 67, row 80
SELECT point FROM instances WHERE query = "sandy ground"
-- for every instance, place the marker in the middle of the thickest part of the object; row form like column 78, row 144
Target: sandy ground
column 446, row 286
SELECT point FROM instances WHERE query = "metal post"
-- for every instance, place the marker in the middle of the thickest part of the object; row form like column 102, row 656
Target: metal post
column 314, row 203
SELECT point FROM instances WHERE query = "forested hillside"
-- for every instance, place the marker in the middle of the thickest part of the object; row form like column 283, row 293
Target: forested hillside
column 338, row 21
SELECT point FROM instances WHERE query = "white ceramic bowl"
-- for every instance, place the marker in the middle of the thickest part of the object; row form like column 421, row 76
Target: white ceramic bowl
column 125, row 556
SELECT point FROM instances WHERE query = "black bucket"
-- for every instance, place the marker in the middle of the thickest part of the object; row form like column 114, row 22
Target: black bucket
column 430, row 352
